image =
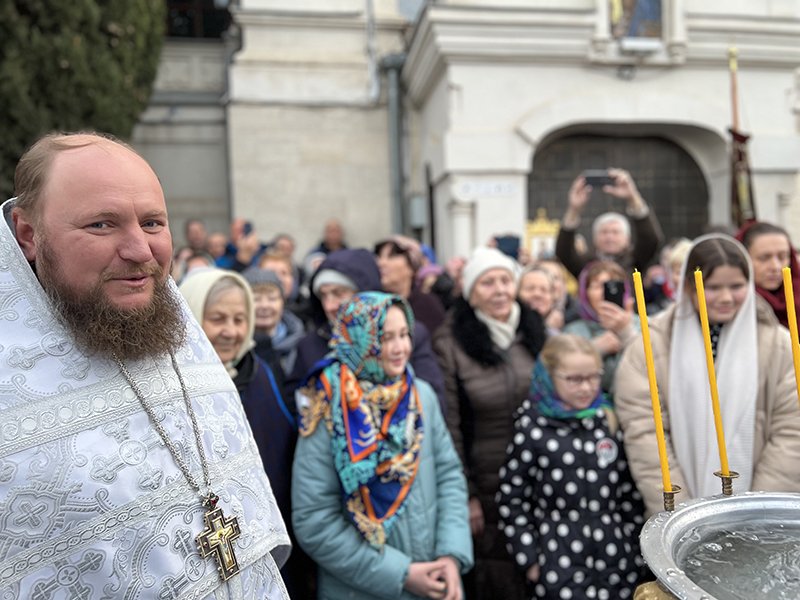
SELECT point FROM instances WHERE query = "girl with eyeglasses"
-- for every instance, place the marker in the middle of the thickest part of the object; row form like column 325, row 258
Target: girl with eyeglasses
column 569, row 509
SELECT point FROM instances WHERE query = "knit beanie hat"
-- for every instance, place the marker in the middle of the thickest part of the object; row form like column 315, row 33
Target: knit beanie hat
column 482, row 260
column 256, row 277
column 331, row 276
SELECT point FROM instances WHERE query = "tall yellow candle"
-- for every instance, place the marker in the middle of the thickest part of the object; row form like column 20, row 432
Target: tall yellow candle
column 651, row 377
column 791, row 315
column 712, row 375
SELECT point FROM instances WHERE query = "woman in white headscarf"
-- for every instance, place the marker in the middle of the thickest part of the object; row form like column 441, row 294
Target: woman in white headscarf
column 758, row 398
column 222, row 303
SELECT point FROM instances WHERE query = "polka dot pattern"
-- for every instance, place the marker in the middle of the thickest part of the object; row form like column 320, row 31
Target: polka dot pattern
column 562, row 507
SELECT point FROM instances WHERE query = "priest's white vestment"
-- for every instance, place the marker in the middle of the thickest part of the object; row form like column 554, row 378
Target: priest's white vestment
column 92, row 503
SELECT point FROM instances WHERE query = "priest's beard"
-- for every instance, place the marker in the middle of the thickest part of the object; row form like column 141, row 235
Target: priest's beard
column 100, row 328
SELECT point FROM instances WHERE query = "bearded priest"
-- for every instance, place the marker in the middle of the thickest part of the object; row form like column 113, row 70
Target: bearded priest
column 127, row 468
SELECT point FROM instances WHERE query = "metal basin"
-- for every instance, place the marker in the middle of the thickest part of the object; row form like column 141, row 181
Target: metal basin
column 664, row 540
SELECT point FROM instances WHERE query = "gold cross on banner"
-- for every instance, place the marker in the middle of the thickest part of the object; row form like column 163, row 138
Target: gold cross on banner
column 217, row 539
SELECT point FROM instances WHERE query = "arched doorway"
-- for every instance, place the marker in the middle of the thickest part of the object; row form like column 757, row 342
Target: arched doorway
column 667, row 177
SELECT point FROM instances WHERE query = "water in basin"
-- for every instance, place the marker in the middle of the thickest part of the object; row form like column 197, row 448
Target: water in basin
column 749, row 561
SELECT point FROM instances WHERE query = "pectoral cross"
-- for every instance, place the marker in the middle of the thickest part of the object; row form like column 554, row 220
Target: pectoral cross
column 217, row 538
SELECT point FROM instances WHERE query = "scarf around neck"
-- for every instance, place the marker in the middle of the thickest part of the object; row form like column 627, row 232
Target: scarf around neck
column 544, row 396
column 777, row 298
column 376, row 423
column 501, row 332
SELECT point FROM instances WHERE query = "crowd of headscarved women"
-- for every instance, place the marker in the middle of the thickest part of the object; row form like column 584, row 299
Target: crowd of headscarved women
column 484, row 434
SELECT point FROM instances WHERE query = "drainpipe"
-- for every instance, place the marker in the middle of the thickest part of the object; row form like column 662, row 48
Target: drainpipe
column 232, row 38
column 392, row 64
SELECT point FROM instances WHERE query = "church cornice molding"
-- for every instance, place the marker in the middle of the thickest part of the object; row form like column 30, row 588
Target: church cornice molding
column 768, row 42
column 352, row 20
column 448, row 35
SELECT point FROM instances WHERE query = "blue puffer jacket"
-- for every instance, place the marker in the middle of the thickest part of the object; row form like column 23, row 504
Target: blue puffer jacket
column 434, row 522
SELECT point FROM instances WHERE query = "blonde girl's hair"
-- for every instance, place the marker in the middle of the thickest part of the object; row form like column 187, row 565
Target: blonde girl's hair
column 567, row 343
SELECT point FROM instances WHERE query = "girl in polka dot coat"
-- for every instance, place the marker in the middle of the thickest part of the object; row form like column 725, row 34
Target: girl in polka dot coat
column 568, row 506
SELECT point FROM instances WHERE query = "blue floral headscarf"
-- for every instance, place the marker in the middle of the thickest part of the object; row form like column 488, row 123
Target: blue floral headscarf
column 375, row 421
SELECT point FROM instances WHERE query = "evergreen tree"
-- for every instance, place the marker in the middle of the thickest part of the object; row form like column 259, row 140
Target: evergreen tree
column 71, row 65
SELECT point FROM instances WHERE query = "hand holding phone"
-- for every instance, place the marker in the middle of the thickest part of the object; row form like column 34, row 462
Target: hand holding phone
column 247, row 228
column 597, row 178
column 614, row 292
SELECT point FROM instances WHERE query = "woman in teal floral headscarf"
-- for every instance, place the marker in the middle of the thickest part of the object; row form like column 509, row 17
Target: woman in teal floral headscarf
column 378, row 493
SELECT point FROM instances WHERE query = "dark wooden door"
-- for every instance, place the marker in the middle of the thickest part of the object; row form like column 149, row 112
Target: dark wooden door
column 667, row 177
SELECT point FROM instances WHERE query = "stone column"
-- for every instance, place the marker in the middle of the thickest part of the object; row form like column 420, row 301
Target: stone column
column 462, row 225
column 472, row 208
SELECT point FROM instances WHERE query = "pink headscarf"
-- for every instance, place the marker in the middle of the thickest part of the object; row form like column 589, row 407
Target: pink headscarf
column 584, row 306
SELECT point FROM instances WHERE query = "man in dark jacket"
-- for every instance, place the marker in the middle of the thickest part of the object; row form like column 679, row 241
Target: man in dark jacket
column 611, row 232
column 332, row 238
column 341, row 275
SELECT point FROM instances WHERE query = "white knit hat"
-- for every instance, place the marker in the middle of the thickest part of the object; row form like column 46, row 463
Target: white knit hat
column 332, row 276
column 481, row 260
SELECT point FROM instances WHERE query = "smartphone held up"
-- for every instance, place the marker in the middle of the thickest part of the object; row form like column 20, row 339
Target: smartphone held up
column 614, row 292
column 597, row 178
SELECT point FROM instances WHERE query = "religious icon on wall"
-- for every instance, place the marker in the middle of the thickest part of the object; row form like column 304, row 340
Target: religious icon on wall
column 540, row 235
column 635, row 18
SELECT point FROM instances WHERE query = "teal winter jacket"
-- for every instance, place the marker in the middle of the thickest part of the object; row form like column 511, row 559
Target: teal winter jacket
column 434, row 521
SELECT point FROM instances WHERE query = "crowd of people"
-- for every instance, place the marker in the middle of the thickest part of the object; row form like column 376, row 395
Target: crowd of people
column 416, row 430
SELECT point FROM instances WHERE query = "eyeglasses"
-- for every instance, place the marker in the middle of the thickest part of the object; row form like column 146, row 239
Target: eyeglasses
column 577, row 380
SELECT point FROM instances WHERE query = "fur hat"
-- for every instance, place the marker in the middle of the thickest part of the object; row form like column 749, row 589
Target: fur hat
column 482, row 260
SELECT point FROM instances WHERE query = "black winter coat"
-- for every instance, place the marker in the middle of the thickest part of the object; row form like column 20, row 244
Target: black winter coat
column 485, row 386
column 567, row 502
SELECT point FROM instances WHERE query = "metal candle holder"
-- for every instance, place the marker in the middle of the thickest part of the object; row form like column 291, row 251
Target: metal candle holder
column 669, row 498
column 727, row 481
